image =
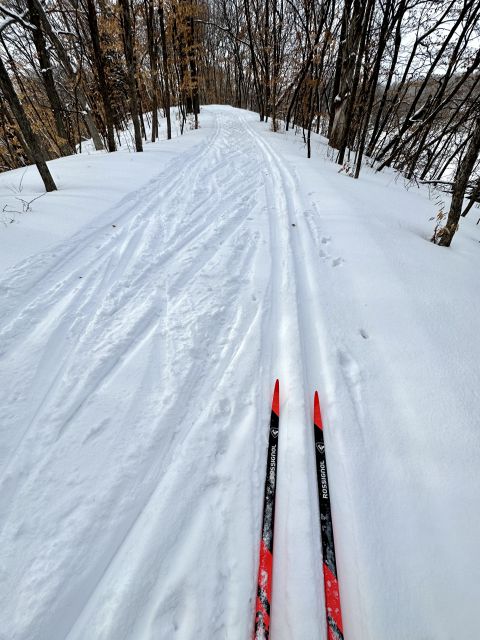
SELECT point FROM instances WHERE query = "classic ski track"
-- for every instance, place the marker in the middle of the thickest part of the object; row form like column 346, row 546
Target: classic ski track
column 88, row 239
column 96, row 293
column 303, row 252
column 317, row 366
column 198, row 233
column 179, row 442
column 62, row 317
column 157, row 303
column 175, row 172
column 137, row 365
column 283, row 337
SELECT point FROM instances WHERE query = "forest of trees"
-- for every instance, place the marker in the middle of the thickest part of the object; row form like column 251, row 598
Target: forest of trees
column 391, row 83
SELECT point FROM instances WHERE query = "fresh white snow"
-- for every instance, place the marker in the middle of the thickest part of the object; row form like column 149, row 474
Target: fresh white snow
column 147, row 308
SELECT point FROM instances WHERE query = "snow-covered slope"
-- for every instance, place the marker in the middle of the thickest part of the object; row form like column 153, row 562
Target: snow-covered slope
column 88, row 183
column 137, row 359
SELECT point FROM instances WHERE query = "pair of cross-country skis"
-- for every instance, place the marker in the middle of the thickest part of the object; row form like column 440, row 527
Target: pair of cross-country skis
column 265, row 565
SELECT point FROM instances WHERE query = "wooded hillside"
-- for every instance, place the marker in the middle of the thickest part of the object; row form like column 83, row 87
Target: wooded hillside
column 395, row 83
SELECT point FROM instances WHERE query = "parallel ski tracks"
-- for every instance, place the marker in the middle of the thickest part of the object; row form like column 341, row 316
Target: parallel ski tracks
column 152, row 284
column 292, row 242
column 92, row 283
column 142, row 300
column 193, row 388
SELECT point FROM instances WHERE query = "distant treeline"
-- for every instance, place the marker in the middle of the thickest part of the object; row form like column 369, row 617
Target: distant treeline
column 396, row 82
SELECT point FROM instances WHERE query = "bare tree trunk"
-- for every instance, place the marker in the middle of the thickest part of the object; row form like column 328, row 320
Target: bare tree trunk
column 193, row 69
column 34, row 148
column 346, row 122
column 349, row 58
column 256, row 79
column 340, row 65
column 373, row 85
column 153, row 56
column 304, row 71
column 266, row 59
column 396, row 49
column 444, row 237
column 100, row 68
column 166, row 71
column 47, row 75
column 65, row 62
column 131, row 71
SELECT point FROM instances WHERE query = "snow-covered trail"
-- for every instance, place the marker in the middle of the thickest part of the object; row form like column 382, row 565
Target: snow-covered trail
column 137, row 365
column 138, row 360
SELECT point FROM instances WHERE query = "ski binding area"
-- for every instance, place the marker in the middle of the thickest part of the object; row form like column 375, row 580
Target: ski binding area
column 143, row 320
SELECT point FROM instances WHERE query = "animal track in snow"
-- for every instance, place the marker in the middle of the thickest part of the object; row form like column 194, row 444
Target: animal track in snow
column 352, row 375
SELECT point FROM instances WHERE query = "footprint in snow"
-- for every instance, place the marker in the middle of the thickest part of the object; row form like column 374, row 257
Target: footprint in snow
column 222, row 407
column 336, row 262
column 364, row 334
column 326, row 239
column 349, row 366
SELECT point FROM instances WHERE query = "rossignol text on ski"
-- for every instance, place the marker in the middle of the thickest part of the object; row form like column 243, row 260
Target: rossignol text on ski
column 332, row 594
column 265, row 565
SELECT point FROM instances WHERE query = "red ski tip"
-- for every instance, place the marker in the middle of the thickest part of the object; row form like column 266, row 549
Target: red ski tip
column 276, row 399
column 317, row 416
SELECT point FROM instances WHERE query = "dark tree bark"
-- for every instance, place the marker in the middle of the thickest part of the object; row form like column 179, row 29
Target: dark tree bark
column 166, row 70
column 340, row 65
column 303, row 74
column 131, row 71
column 152, row 44
column 396, row 49
column 47, row 75
column 100, row 66
column 444, row 237
column 373, row 84
column 348, row 59
column 69, row 70
column 256, row 77
column 345, row 122
column 266, row 58
column 34, row 148
column 16, row 146
column 193, row 68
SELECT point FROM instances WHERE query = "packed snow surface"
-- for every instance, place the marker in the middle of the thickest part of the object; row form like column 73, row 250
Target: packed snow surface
column 146, row 310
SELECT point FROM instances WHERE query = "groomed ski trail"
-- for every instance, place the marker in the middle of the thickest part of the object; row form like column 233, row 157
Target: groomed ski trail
column 142, row 431
column 297, row 573
column 137, row 361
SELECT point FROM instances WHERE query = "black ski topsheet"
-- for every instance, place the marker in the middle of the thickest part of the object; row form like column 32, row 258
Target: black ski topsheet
column 332, row 594
column 265, row 565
